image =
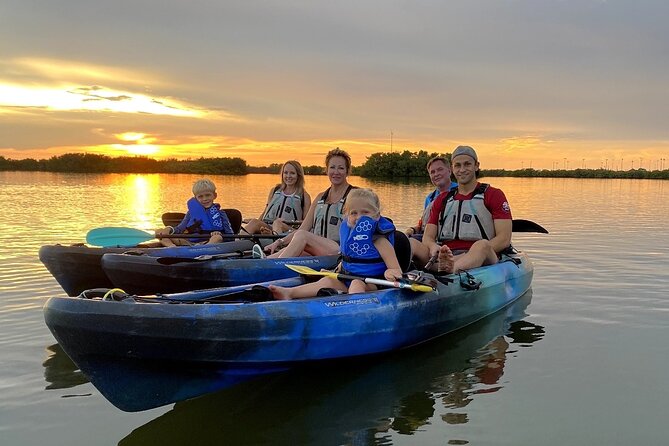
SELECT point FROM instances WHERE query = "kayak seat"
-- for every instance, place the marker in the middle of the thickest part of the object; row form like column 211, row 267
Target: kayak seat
column 403, row 250
column 173, row 218
column 235, row 218
column 234, row 215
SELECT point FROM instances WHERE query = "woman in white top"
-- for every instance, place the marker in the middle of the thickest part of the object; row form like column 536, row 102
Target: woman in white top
column 287, row 202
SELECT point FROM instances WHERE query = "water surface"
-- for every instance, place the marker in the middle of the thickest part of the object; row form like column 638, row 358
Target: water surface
column 580, row 360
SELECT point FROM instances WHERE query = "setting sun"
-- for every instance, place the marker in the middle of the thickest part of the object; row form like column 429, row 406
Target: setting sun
column 137, row 149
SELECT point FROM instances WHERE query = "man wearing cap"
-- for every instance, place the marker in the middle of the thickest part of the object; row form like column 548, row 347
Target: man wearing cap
column 439, row 170
column 470, row 225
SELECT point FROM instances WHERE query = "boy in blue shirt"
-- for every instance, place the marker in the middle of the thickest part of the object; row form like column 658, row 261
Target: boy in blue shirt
column 203, row 217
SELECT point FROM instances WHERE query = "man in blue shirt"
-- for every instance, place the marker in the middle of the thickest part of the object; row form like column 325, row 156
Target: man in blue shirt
column 439, row 170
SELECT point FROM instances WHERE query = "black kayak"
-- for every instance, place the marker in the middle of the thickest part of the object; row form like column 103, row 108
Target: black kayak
column 77, row 267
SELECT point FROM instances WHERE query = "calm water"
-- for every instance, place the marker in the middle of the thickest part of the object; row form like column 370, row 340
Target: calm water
column 581, row 360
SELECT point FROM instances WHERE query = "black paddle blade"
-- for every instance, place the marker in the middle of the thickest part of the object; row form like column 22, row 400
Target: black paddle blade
column 528, row 226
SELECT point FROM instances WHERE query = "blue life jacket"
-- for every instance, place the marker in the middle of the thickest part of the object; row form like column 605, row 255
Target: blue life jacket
column 359, row 255
column 199, row 219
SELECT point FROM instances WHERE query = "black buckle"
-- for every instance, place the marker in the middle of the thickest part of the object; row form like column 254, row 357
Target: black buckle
column 469, row 282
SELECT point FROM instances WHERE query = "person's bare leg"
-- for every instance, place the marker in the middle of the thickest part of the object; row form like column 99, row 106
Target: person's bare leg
column 306, row 290
column 256, row 226
column 280, row 227
column 420, row 252
column 305, row 242
column 358, row 286
column 481, row 253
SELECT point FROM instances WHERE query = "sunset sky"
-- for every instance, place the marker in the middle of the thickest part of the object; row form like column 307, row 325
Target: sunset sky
column 528, row 83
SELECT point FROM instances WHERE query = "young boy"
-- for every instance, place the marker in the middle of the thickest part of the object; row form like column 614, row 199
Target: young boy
column 203, row 217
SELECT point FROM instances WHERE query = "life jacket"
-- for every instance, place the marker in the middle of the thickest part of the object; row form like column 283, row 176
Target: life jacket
column 359, row 255
column 328, row 216
column 429, row 200
column 206, row 220
column 287, row 207
column 466, row 219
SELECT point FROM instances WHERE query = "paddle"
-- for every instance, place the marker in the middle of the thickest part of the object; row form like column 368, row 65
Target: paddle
column 288, row 222
column 202, row 258
column 305, row 270
column 521, row 225
column 117, row 236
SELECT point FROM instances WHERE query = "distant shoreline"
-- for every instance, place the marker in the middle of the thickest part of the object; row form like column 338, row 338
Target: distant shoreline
column 406, row 165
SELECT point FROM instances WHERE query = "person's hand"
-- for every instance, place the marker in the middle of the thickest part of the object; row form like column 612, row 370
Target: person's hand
column 393, row 274
column 264, row 230
column 434, row 250
column 273, row 247
column 164, row 231
column 215, row 237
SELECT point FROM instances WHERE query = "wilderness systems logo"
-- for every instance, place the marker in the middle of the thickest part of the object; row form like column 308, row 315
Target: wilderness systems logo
column 366, row 300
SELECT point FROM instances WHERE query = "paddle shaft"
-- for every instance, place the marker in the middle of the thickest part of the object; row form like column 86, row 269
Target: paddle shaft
column 202, row 258
column 225, row 236
column 305, row 270
column 120, row 236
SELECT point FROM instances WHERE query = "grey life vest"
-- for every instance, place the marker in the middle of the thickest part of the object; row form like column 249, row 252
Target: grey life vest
column 328, row 216
column 466, row 219
column 287, row 207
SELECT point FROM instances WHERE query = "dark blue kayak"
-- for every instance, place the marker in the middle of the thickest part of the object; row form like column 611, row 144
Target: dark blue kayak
column 77, row 267
column 149, row 275
column 200, row 341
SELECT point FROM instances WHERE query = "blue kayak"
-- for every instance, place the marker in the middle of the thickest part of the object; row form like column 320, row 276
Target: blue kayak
column 200, row 341
column 149, row 274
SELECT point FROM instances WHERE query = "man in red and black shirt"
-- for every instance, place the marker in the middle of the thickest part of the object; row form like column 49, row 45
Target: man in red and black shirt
column 468, row 227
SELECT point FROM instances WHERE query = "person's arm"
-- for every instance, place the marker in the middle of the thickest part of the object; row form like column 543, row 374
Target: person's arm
column 307, row 224
column 307, row 203
column 502, row 238
column 430, row 239
column 497, row 204
column 387, row 252
column 411, row 230
column 181, row 227
column 269, row 199
column 430, row 229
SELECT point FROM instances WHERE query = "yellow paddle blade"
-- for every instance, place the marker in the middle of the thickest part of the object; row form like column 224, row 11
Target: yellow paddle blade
column 306, row 271
column 421, row 288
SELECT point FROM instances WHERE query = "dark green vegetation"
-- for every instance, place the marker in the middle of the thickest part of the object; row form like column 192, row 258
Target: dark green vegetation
column 412, row 164
column 394, row 165
column 91, row 163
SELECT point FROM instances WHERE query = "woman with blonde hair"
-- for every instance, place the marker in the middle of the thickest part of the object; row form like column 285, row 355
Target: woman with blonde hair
column 318, row 235
column 287, row 202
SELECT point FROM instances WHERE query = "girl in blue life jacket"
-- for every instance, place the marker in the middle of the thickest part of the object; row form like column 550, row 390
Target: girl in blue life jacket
column 366, row 244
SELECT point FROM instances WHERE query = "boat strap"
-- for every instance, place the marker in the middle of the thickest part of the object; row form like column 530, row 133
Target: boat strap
column 469, row 282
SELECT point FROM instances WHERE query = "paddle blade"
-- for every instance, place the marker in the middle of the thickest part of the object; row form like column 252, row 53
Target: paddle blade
column 520, row 225
column 113, row 236
column 306, row 271
column 421, row 288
